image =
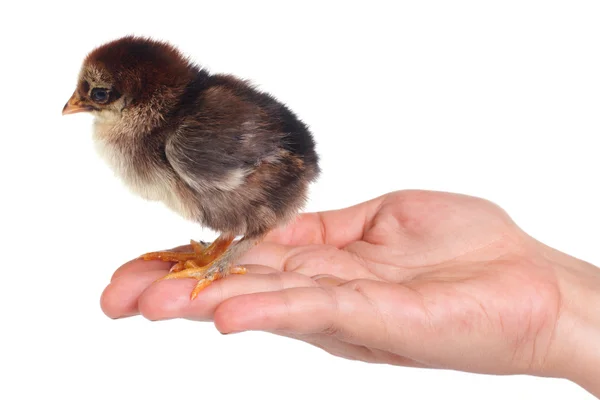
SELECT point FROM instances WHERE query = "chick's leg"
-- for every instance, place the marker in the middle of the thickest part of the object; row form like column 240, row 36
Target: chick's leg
column 201, row 255
column 219, row 268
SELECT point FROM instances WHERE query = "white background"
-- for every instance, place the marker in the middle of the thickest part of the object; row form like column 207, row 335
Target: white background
column 493, row 99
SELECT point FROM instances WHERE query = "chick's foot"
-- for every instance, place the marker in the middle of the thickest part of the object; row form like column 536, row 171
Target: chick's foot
column 201, row 256
column 205, row 275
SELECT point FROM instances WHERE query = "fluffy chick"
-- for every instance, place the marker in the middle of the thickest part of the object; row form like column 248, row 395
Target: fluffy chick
column 209, row 146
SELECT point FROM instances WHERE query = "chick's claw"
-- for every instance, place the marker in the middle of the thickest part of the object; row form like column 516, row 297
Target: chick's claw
column 181, row 265
column 194, row 272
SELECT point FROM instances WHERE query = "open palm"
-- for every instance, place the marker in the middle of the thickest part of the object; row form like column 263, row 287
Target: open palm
column 413, row 278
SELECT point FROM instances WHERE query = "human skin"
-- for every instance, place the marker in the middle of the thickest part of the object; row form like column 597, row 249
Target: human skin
column 413, row 278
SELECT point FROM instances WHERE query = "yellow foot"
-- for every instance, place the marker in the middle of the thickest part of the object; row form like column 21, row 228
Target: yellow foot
column 204, row 275
column 201, row 255
column 183, row 260
column 203, row 263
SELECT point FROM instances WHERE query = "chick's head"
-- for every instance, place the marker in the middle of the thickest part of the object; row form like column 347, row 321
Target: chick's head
column 129, row 72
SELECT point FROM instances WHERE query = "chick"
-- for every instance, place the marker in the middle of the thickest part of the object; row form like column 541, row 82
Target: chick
column 210, row 147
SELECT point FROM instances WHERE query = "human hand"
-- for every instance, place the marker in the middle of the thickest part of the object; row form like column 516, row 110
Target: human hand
column 412, row 278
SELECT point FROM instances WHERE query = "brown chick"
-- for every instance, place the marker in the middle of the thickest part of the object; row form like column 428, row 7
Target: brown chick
column 210, row 147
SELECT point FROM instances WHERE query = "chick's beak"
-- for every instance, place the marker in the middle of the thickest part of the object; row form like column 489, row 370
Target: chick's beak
column 75, row 105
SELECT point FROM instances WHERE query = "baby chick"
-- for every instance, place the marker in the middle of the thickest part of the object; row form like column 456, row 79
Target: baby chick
column 210, row 147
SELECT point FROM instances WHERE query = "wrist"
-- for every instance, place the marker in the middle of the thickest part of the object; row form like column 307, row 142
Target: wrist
column 575, row 352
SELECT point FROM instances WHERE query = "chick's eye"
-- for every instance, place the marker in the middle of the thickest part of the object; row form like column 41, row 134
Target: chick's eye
column 99, row 95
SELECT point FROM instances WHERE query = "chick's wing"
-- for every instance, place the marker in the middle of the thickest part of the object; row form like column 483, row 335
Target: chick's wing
column 226, row 139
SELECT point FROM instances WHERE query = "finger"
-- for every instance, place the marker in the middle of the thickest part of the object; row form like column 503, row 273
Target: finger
column 171, row 299
column 120, row 297
column 353, row 312
column 299, row 311
column 135, row 267
column 335, row 227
